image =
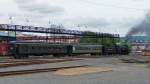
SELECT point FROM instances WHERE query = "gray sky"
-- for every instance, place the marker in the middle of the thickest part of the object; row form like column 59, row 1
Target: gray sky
column 112, row 16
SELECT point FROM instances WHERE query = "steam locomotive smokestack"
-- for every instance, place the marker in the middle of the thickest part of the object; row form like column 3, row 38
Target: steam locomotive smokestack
column 143, row 27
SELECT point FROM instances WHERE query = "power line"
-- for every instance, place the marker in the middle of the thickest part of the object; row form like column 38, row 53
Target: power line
column 111, row 5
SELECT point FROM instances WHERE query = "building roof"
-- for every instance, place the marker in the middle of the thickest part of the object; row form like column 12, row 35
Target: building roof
column 5, row 33
column 137, row 38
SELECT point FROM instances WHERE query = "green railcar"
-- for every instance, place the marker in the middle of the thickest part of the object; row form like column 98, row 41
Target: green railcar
column 20, row 50
column 86, row 49
column 46, row 48
column 25, row 49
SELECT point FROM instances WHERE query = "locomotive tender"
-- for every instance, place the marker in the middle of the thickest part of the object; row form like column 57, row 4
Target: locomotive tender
column 116, row 49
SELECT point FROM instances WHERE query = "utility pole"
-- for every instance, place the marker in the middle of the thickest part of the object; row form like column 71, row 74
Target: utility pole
column 27, row 21
column 11, row 22
column 47, row 36
column 100, row 37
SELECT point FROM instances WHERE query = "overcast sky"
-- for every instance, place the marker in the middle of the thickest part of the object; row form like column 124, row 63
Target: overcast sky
column 112, row 16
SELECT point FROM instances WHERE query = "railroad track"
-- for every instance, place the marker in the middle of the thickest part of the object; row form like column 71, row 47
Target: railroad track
column 22, row 72
column 32, row 62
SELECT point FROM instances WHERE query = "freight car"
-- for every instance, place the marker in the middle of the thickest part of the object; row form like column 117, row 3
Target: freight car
column 24, row 49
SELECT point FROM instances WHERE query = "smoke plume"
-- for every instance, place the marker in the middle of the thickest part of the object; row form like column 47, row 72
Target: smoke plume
column 143, row 27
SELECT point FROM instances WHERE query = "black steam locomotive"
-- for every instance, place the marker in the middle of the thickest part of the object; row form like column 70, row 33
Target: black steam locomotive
column 26, row 49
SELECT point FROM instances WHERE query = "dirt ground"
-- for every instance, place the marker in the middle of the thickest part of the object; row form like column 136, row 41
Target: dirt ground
column 131, row 69
column 82, row 70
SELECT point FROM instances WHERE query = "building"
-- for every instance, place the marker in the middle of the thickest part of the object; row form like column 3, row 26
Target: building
column 139, row 43
column 5, row 36
column 64, row 39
